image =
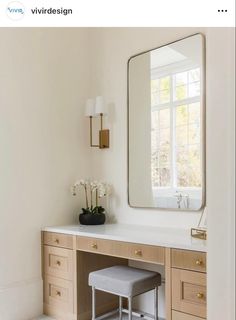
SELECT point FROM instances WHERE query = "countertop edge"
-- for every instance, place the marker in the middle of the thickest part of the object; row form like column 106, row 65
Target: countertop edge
column 194, row 246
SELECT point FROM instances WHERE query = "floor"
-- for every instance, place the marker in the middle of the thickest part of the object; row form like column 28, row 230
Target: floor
column 43, row 318
column 114, row 317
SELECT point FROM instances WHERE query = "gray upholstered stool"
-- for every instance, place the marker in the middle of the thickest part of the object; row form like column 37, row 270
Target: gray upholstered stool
column 124, row 282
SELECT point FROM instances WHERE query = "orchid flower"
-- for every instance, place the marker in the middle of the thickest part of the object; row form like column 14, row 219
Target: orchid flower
column 101, row 190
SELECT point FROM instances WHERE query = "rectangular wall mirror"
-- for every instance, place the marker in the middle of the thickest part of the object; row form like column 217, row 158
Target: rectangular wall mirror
column 166, row 126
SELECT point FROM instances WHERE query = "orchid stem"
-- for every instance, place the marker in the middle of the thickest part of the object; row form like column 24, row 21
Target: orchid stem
column 91, row 196
column 86, row 196
column 96, row 197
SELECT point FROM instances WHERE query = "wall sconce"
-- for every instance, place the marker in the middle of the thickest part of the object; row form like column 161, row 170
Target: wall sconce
column 94, row 109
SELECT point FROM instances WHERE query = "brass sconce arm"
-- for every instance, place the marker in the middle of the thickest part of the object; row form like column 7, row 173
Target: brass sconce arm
column 103, row 134
column 91, row 133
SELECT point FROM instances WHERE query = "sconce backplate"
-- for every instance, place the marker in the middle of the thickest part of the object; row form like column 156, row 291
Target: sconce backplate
column 104, row 139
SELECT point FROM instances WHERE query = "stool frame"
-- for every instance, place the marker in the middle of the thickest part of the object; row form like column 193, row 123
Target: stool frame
column 120, row 310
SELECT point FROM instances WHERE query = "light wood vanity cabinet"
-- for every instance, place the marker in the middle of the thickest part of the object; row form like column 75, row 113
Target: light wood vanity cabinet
column 58, row 276
column 68, row 259
column 188, row 293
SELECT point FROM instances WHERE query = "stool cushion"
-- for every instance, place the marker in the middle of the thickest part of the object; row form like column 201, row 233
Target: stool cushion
column 124, row 281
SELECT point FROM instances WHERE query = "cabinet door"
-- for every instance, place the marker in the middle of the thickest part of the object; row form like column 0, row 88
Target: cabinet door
column 189, row 292
column 58, row 298
column 58, row 262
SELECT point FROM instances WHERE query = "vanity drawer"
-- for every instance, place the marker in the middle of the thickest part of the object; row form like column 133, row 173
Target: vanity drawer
column 189, row 292
column 122, row 249
column 58, row 294
column 189, row 260
column 58, row 240
column 147, row 253
column 183, row 316
column 58, row 262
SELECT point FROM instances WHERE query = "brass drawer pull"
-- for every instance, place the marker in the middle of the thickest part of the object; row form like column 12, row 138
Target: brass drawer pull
column 58, row 293
column 200, row 295
column 94, row 246
column 138, row 253
column 199, row 262
column 57, row 241
column 58, row 263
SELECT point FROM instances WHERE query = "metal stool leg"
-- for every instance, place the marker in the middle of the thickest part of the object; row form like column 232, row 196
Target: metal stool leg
column 130, row 308
column 156, row 303
column 120, row 308
column 93, row 303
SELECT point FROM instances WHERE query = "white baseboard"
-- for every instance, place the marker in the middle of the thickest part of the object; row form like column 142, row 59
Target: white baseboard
column 21, row 300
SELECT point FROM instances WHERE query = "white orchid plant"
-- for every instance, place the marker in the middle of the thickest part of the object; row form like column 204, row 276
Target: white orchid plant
column 94, row 190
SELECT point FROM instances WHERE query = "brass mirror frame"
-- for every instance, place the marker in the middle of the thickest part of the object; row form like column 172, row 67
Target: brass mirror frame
column 203, row 125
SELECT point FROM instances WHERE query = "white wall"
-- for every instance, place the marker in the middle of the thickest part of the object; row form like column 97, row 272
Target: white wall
column 43, row 148
column 112, row 47
column 220, row 172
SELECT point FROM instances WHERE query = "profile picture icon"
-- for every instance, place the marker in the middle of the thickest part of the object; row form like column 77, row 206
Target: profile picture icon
column 15, row 10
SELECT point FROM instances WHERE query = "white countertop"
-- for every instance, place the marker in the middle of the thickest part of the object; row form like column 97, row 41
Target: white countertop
column 165, row 237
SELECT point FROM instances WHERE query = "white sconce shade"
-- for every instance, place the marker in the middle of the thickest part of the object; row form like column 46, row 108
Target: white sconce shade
column 90, row 108
column 100, row 106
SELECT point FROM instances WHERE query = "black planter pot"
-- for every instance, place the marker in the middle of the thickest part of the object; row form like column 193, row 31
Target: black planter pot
column 92, row 219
